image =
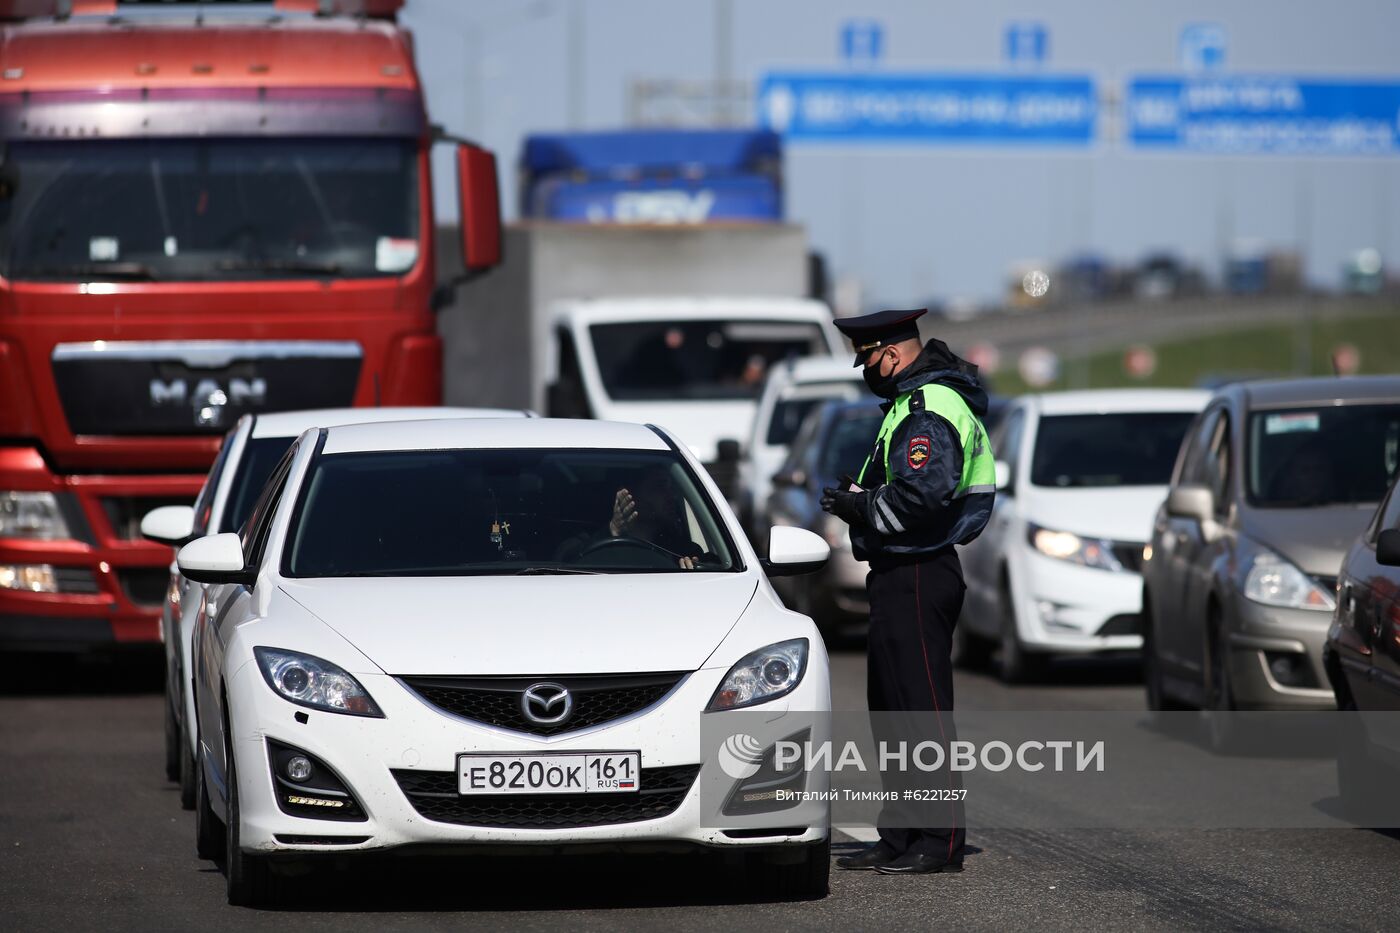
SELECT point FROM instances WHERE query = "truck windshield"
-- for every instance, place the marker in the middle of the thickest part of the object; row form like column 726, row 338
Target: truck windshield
column 665, row 360
column 1111, row 449
column 219, row 208
column 1328, row 455
column 504, row 511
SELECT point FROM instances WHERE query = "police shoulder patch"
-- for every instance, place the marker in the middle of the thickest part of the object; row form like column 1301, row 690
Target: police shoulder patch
column 919, row 450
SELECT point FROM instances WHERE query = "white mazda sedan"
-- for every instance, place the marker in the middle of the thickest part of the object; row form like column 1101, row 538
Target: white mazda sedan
column 488, row 632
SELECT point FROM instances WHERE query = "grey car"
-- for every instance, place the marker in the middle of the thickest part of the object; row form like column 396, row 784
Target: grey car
column 1273, row 483
column 834, row 439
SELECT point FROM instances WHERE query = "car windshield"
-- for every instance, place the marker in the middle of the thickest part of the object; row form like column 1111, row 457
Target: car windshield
column 789, row 412
column 1108, row 449
column 1327, row 455
column 259, row 457
column 220, row 208
column 664, row 360
column 850, row 441
column 505, row 511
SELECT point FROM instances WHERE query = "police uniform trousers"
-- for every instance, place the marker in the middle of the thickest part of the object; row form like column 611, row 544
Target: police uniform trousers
column 914, row 605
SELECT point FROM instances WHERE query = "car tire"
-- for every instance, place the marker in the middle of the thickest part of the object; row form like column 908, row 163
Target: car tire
column 805, row 877
column 208, row 831
column 970, row 651
column 1219, row 707
column 1158, row 699
column 251, row 881
column 1018, row 664
column 172, row 740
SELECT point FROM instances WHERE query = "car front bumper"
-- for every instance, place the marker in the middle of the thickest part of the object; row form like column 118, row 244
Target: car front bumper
column 1066, row 608
column 1261, row 635
column 372, row 756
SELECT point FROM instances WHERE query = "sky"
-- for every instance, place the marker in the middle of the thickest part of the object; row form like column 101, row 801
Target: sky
column 912, row 223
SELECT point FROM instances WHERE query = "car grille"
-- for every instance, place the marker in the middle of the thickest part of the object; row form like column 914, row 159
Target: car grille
column 1129, row 554
column 145, row 586
column 496, row 701
column 434, row 795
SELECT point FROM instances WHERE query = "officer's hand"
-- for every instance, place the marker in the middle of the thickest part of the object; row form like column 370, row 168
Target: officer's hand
column 847, row 506
column 624, row 513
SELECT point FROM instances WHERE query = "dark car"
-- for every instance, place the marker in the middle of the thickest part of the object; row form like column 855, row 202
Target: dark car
column 1362, row 660
column 835, row 439
column 1273, row 483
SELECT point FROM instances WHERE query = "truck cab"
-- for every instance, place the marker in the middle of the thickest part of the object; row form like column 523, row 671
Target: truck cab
column 204, row 212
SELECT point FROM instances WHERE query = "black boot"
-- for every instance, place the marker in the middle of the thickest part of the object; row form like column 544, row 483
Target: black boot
column 868, row 858
column 918, row 863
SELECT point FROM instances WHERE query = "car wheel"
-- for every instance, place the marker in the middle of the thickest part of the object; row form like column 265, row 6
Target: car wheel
column 172, row 740
column 1018, row 664
column 1158, row 700
column 208, row 831
column 251, row 882
column 970, row 651
column 1220, row 698
column 795, row 875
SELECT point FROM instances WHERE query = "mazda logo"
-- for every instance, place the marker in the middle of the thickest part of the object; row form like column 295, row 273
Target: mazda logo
column 546, row 704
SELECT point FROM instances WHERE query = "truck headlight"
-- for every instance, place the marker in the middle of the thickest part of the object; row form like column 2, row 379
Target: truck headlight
column 1066, row 545
column 33, row 515
column 32, row 578
column 314, row 682
column 1274, row 581
column 764, row 675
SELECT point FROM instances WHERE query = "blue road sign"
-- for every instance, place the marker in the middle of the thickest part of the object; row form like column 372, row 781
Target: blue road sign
column 1202, row 46
column 991, row 109
column 1264, row 114
column 1027, row 43
column 862, row 40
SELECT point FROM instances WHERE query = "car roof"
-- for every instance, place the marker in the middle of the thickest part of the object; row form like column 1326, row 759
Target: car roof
column 489, row 433
column 1278, row 392
column 292, row 423
column 1121, row 400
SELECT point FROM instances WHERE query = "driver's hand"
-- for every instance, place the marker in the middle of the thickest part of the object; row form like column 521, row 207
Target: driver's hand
column 624, row 513
column 689, row 563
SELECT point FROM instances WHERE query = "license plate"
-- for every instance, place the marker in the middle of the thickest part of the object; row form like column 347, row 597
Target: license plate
column 582, row 773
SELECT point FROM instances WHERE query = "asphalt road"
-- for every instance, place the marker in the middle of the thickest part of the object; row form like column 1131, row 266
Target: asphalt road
column 92, row 837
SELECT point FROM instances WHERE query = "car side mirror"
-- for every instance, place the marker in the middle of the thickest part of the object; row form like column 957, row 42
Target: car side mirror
column 1195, row 502
column 727, row 451
column 1388, row 548
column 169, row 524
column 1003, row 474
column 479, row 207
column 793, row 551
column 214, row 559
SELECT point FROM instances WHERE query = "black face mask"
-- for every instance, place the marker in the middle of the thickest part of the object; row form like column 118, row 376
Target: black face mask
column 883, row 386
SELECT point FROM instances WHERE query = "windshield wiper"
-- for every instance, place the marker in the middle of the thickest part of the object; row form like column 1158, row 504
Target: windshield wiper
column 108, row 270
column 560, row 571
column 309, row 266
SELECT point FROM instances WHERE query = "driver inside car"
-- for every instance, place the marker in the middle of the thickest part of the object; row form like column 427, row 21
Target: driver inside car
column 651, row 510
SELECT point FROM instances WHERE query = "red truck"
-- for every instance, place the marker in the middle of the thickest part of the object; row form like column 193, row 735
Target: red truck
column 203, row 212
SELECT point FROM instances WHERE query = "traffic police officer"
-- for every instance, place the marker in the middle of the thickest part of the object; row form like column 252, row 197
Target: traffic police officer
column 928, row 485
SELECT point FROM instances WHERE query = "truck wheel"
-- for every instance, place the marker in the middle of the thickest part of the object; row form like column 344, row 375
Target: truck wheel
column 792, row 875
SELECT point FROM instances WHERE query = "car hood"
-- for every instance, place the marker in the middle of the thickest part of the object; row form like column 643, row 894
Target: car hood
column 1315, row 539
column 698, row 425
column 1121, row 513
column 531, row 625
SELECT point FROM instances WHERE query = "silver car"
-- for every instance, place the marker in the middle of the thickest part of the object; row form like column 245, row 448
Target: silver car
column 1273, row 483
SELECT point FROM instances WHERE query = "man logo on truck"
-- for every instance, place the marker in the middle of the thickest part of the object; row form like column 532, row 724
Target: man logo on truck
column 209, row 398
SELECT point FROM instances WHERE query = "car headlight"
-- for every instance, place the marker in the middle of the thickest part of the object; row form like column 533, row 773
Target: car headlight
column 314, row 682
column 764, row 675
column 1066, row 545
column 33, row 515
column 1274, row 581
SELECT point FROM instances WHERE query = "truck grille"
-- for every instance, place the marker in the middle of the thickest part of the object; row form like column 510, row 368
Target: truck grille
column 497, row 701
column 434, row 795
column 197, row 387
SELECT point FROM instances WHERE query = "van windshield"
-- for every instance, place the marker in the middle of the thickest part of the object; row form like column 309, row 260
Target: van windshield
column 1328, row 455
column 666, row 360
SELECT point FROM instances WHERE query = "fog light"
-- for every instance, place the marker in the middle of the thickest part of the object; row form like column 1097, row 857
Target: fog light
column 1288, row 669
column 299, row 768
column 35, row 578
column 1050, row 616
